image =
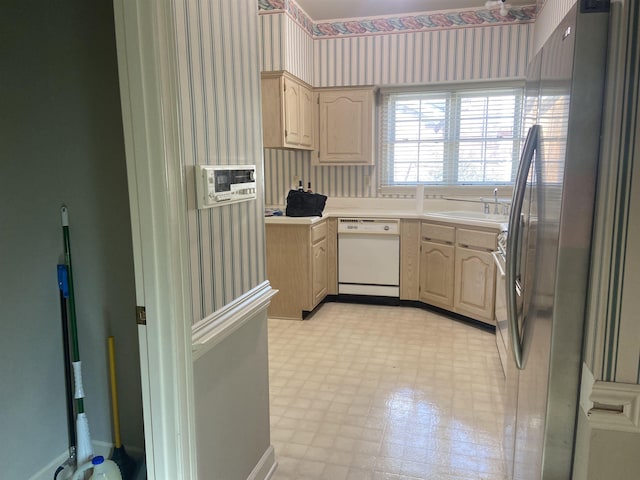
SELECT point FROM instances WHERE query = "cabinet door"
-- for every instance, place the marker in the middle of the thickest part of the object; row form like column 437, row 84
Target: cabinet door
column 475, row 284
column 319, row 253
column 346, row 127
column 436, row 273
column 272, row 111
column 292, row 120
column 306, row 117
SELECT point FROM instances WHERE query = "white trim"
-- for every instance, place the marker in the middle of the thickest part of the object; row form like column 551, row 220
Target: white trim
column 457, row 85
column 147, row 69
column 211, row 330
column 266, row 467
column 616, row 407
column 603, row 272
column 442, row 191
column 455, row 92
column 586, row 388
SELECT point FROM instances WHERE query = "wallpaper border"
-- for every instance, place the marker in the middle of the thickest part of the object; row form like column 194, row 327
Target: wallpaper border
column 383, row 25
column 289, row 7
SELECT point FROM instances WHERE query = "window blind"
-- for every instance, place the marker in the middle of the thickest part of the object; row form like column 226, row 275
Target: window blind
column 450, row 137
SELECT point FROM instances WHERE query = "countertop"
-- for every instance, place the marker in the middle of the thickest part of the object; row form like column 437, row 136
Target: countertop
column 458, row 217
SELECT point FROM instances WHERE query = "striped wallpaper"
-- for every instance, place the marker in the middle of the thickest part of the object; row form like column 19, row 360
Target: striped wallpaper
column 454, row 55
column 219, row 107
column 283, row 168
column 550, row 14
column 286, row 46
column 442, row 55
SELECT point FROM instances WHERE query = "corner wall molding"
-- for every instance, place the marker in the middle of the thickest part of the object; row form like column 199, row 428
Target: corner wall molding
column 213, row 329
column 616, row 406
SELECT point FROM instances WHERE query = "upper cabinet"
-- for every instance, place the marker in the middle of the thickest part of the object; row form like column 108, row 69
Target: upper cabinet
column 335, row 122
column 346, row 121
column 287, row 112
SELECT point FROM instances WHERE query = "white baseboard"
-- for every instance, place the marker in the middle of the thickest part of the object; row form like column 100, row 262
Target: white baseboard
column 99, row 448
column 266, row 467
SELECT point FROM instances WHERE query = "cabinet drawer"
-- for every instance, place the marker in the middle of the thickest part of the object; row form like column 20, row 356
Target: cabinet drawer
column 477, row 239
column 318, row 232
column 438, row 233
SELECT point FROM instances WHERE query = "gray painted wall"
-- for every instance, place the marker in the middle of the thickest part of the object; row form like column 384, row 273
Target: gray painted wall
column 232, row 403
column 61, row 142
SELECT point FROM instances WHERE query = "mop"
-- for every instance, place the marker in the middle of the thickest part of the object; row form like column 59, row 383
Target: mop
column 63, row 287
column 84, row 449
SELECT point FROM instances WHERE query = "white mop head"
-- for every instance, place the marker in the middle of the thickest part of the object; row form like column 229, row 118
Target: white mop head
column 84, row 450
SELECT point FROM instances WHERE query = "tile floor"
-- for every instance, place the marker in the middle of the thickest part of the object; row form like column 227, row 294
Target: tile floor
column 376, row 392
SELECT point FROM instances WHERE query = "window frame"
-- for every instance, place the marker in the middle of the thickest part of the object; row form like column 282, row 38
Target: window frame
column 447, row 89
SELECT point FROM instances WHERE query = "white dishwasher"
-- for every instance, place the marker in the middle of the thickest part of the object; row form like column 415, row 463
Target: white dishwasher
column 369, row 256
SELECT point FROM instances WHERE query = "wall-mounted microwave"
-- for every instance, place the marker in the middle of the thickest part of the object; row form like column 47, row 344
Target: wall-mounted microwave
column 218, row 185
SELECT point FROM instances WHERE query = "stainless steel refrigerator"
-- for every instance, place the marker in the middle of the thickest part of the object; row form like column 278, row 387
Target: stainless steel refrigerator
column 548, row 245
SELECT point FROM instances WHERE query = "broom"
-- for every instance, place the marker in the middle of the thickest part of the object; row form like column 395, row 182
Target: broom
column 119, row 455
column 84, row 450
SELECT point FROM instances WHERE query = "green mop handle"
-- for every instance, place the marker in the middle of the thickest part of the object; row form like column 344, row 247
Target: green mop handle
column 79, row 394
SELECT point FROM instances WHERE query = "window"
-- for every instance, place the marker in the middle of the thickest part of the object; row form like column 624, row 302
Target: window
column 450, row 137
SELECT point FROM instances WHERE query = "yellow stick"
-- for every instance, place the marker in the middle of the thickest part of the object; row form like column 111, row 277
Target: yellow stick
column 114, row 392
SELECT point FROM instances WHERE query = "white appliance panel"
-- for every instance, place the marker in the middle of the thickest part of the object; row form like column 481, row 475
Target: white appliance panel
column 368, row 257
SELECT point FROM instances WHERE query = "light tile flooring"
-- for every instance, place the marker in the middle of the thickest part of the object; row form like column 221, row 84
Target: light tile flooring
column 376, row 392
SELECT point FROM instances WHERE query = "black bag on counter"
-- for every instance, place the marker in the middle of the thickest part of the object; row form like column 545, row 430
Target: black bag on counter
column 303, row 204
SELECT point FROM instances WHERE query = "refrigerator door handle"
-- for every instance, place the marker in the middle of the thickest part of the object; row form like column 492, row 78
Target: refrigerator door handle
column 514, row 243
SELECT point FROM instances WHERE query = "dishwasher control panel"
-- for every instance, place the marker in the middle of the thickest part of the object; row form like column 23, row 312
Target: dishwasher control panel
column 375, row 226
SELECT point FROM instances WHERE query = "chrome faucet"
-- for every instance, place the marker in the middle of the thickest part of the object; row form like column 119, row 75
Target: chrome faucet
column 495, row 200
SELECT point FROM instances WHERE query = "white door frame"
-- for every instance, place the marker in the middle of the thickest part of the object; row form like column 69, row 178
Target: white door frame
column 147, row 70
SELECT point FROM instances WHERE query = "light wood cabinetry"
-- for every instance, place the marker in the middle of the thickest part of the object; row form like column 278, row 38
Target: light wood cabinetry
column 297, row 258
column 437, row 265
column 444, row 265
column 475, row 274
column 346, row 120
column 287, row 112
column 332, row 254
column 319, row 255
column 475, row 284
column 457, row 271
column 409, row 259
column 319, row 271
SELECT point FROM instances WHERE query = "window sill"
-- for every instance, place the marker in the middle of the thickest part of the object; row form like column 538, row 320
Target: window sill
column 463, row 192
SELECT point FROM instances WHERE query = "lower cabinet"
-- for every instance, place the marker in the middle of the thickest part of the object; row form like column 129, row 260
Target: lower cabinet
column 297, row 266
column 319, row 271
column 437, row 274
column 447, row 266
column 457, row 272
column 475, row 274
